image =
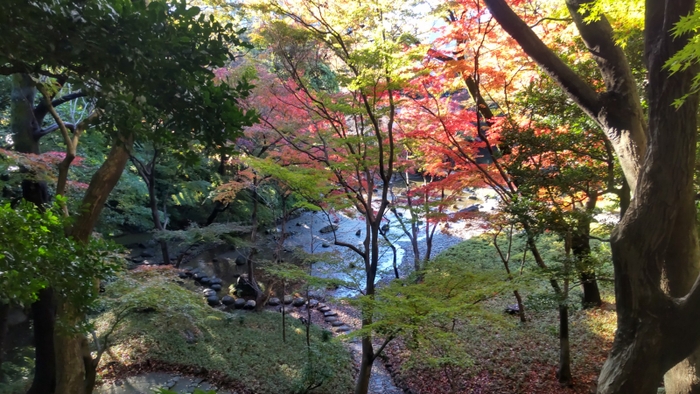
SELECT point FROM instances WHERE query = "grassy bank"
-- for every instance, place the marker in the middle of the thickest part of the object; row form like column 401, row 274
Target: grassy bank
column 163, row 325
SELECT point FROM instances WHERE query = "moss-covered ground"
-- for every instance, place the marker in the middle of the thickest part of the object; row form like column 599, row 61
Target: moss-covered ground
column 160, row 324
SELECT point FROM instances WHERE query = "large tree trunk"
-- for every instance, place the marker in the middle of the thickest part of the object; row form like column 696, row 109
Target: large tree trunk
column 24, row 125
column 73, row 367
column 655, row 247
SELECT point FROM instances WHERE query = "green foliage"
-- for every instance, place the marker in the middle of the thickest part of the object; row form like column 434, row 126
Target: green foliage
column 35, row 253
column 690, row 54
column 172, row 324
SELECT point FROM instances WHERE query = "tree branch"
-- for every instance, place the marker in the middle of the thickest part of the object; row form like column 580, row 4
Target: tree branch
column 42, row 109
column 579, row 91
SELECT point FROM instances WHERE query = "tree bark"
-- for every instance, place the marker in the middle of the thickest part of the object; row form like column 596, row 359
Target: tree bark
column 564, row 371
column 73, row 368
column 43, row 314
column 362, row 385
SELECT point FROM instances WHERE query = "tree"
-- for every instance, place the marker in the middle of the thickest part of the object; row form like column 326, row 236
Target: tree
column 148, row 69
column 350, row 133
column 655, row 246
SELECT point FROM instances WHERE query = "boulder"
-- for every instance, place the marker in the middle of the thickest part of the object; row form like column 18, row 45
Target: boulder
column 215, row 281
column 288, row 299
column 274, row 301
column 182, row 275
column 249, row 305
column 358, row 233
column 328, row 229
column 325, row 245
column 385, row 228
column 471, row 208
column 240, row 260
column 512, row 309
column 239, row 303
column 213, row 300
column 227, row 300
column 209, row 292
column 313, row 303
column 215, row 287
column 204, row 280
column 244, row 287
column 298, row 302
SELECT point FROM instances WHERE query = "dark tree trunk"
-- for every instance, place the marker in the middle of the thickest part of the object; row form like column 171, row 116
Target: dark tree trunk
column 43, row 314
column 564, row 371
column 581, row 247
column 25, row 125
column 4, row 312
column 362, row 385
column 521, row 307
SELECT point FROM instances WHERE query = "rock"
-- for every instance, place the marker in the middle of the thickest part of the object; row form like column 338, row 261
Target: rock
column 245, row 287
column 358, row 233
column 147, row 253
column 227, row 300
column 385, row 228
column 190, row 337
column 198, row 275
column 249, row 305
column 324, row 309
column 216, row 281
column 330, row 319
column 182, row 275
column 239, row 303
column 341, row 329
column 512, row 309
column 288, row 299
column 471, row 208
column 213, row 300
column 328, row 229
column 330, row 313
column 325, row 245
column 274, row 301
column 215, row 287
column 214, row 260
column 204, row 280
column 298, row 302
column 298, row 224
column 137, row 259
column 312, row 303
column 472, row 197
column 209, row 292
column 337, row 323
column 240, row 260
column 336, row 220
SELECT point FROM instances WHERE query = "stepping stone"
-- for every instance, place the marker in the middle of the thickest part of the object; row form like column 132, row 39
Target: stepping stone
column 324, row 309
column 215, row 287
column 274, row 301
column 313, row 303
column 330, row 313
column 288, row 299
column 337, row 323
column 330, row 319
column 213, row 300
column 298, row 302
column 321, row 305
column 227, row 300
column 341, row 329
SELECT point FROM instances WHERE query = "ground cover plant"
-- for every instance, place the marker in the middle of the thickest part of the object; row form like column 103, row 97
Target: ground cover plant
column 160, row 324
